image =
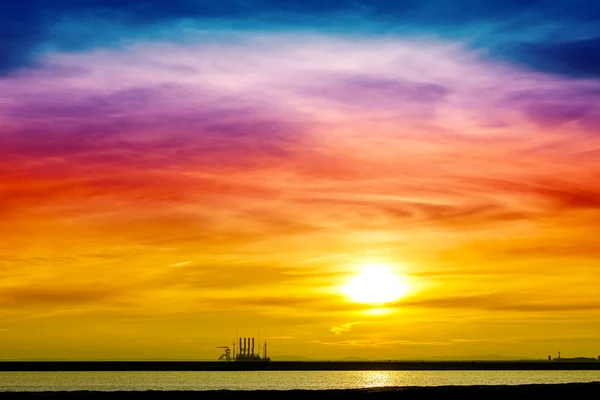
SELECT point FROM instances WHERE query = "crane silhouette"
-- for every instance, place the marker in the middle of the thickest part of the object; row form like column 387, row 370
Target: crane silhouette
column 226, row 356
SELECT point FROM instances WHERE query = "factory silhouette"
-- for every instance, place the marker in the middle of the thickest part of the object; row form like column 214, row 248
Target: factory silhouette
column 245, row 352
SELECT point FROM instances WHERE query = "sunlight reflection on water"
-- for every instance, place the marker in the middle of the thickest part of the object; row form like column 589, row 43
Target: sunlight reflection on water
column 377, row 379
column 281, row 380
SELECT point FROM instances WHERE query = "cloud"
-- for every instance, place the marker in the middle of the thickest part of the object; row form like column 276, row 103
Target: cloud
column 554, row 107
column 247, row 147
column 559, row 193
column 229, row 277
column 338, row 330
column 182, row 132
column 381, row 94
column 246, row 167
column 28, row 296
column 32, row 25
column 502, row 302
column 180, row 264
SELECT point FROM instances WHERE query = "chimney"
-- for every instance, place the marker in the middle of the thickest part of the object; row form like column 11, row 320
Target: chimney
column 266, row 350
column 244, row 346
column 252, row 346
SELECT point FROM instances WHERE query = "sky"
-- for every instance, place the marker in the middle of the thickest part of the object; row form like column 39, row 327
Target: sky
column 177, row 174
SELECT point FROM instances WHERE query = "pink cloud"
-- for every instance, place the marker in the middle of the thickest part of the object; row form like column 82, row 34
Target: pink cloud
column 318, row 123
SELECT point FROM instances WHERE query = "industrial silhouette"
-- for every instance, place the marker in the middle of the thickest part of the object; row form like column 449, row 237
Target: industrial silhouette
column 245, row 352
column 559, row 358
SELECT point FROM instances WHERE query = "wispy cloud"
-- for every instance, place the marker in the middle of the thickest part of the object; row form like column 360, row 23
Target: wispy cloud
column 266, row 178
column 338, row 330
column 180, row 264
column 504, row 302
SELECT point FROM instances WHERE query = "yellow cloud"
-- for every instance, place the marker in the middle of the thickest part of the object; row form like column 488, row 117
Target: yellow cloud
column 344, row 328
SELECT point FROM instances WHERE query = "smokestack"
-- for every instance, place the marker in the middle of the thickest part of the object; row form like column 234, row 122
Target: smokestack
column 244, row 346
column 265, row 350
column 252, row 346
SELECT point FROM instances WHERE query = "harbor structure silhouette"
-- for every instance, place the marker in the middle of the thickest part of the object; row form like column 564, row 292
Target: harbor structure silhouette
column 572, row 359
column 245, row 352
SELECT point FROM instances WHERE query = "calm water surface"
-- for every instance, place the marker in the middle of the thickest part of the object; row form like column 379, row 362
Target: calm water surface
column 281, row 380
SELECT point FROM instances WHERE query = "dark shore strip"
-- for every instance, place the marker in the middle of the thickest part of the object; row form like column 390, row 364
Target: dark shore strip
column 298, row 366
column 566, row 391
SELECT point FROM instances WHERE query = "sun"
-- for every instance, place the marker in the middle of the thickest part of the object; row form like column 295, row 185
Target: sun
column 376, row 284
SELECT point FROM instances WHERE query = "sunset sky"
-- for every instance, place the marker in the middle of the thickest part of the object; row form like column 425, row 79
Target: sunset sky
column 175, row 173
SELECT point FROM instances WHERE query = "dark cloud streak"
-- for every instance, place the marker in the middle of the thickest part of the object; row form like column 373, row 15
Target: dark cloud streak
column 500, row 302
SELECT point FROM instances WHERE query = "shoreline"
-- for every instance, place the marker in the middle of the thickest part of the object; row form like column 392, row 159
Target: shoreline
column 437, row 392
column 38, row 366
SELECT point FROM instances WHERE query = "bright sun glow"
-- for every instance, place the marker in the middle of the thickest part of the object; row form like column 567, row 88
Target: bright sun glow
column 376, row 284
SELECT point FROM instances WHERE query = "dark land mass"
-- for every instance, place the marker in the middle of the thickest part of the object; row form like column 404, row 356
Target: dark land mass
column 297, row 365
column 571, row 390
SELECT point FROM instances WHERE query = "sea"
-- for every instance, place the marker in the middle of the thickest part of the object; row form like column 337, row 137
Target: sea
column 275, row 380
